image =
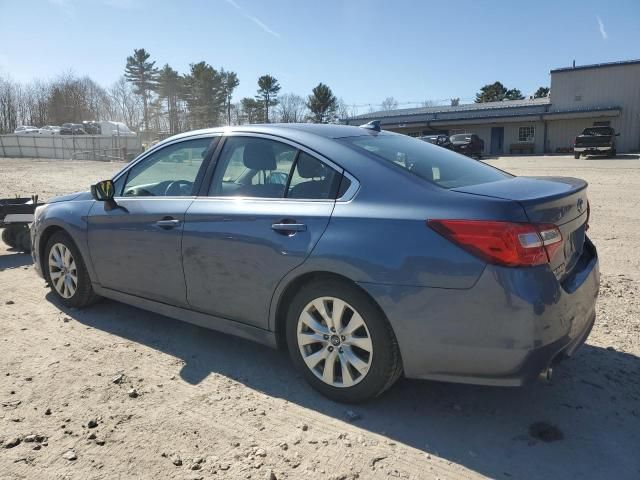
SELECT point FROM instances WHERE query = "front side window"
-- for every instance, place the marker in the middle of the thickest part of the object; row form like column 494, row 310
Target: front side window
column 434, row 164
column 526, row 134
column 263, row 168
column 169, row 172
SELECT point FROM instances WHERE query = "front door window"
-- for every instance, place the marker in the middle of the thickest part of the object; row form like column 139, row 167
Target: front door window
column 170, row 172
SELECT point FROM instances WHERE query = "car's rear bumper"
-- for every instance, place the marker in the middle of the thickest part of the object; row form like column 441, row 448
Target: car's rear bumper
column 505, row 330
column 592, row 149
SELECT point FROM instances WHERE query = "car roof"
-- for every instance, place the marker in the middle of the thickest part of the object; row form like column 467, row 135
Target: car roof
column 282, row 129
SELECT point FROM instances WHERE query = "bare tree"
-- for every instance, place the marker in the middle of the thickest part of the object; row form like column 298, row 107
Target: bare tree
column 389, row 103
column 455, row 101
column 127, row 104
column 292, row 108
column 342, row 111
column 70, row 100
column 429, row 103
column 8, row 111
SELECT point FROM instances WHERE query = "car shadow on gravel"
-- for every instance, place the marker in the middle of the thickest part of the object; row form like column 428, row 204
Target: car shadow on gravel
column 585, row 424
column 620, row 156
column 14, row 259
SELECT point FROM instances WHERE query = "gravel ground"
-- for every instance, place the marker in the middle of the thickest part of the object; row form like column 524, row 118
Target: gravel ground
column 116, row 392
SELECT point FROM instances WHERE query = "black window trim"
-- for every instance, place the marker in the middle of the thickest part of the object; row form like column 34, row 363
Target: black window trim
column 213, row 164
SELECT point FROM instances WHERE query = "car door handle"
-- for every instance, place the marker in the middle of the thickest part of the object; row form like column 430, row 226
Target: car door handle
column 168, row 223
column 289, row 228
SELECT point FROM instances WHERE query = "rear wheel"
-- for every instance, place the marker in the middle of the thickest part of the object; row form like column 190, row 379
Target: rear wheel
column 341, row 342
column 576, row 156
column 66, row 272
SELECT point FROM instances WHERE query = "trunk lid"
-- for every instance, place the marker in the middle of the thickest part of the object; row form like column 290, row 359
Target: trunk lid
column 561, row 201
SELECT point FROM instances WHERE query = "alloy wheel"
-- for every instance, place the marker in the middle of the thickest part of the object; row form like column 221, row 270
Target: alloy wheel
column 62, row 270
column 334, row 342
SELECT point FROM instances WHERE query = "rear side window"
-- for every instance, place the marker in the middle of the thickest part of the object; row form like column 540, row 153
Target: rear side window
column 312, row 179
column 264, row 168
column 434, row 164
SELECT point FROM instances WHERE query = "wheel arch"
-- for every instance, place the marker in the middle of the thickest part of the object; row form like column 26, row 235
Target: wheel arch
column 293, row 287
column 46, row 234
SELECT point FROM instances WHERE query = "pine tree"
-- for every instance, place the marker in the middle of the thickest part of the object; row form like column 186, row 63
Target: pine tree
column 169, row 88
column 144, row 76
column 204, row 95
column 268, row 88
column 229, row 83
column 322, row 103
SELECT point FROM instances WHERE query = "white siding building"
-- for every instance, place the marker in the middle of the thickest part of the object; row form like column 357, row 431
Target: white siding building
column 583, row 96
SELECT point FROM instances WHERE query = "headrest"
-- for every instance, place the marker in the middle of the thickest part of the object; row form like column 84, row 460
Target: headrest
column 258, row 155
column 309, row 167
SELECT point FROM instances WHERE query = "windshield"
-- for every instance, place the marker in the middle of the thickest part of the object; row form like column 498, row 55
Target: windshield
column 435, row 164
column 461, row 138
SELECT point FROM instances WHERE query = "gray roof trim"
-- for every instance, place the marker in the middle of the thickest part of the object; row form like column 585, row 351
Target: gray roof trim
column 475, row 107
column 506, row 115
column 597, row 65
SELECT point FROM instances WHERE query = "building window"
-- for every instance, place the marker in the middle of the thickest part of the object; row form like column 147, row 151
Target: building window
column 526, row 134
column 413, row 134
column 605, row 123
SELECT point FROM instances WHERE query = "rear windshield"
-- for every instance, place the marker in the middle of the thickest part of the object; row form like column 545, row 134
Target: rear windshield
column 429, row 162
column 460, row 138
column 597, row 131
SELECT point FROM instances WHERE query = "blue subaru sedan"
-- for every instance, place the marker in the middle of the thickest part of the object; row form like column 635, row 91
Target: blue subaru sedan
column 367, row 254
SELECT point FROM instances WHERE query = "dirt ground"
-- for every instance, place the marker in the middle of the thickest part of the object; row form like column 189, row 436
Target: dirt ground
column 210, row 406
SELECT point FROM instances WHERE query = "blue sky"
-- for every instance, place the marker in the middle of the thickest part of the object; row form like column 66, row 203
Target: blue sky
column 365, row 50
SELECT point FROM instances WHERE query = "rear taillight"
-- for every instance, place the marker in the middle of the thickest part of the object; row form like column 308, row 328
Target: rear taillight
column 503, row 243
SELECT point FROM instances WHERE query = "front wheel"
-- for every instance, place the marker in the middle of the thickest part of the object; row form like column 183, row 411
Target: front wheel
column 66, row 273
column 576, row 156
column 341, row 342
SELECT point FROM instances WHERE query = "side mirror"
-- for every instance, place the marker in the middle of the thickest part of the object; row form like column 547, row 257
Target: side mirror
column 103, row 191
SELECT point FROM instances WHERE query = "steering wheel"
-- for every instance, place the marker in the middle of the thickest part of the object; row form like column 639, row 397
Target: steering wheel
column 178, row 188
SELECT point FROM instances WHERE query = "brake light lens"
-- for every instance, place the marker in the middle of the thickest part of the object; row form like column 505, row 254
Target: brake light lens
column 503, row 243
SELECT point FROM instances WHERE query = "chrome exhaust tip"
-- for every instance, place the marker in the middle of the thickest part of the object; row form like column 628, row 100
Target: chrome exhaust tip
column 546, row 375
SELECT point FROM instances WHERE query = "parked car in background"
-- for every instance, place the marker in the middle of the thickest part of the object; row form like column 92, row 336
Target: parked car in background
column 50, row 130
column 468, row 144
column 92, row 128
column 109, row 127
column 72, row 129
column 26, row 130
column 441, row 140
column 596, row 140
column 368, row 254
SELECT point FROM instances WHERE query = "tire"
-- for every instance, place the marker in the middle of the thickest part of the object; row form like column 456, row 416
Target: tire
column 80, row 296
column 370, row 370
column 23, row 240
column 9, row 236
column 576, row 156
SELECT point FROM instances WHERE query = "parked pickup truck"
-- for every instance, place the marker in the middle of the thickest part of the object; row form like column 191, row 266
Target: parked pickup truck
column 596, row 140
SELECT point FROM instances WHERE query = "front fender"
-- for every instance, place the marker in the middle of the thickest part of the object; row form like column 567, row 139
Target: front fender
column 70, row 216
